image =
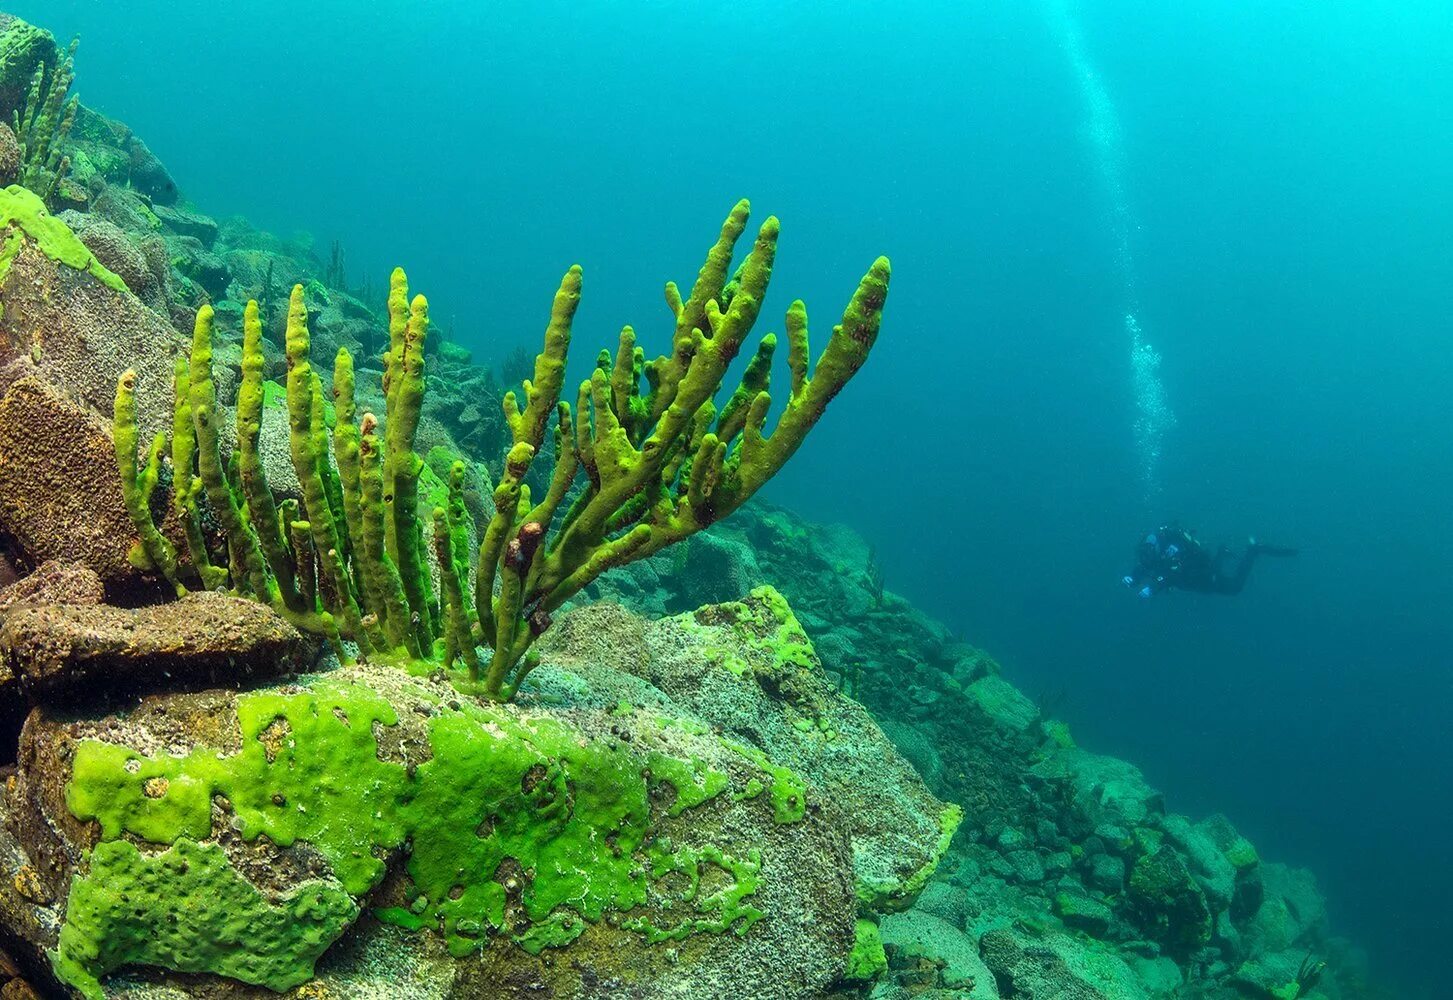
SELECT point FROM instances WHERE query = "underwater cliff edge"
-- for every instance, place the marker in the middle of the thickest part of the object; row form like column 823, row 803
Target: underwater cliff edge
column 737, row 767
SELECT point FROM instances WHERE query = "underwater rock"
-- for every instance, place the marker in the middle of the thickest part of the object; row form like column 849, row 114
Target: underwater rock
column 748, row 668
column 148, row 175
column 69, row 654
column 1057, row 967
column 1003, row 704
column 54, row 582
column 600, row 836
column 205, row 267
column 1083, row 913
column 75, row 319
column 1291, row 911
column 1169, row 901
column 23, row 46
column 97, row 148
column 1213, row 872
column 919, row 935
column 59, row 497
column 113, row 248
column 1102, row 789
column 185, row 222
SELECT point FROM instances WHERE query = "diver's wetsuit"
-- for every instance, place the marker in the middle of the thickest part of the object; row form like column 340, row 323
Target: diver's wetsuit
column 1170, row 557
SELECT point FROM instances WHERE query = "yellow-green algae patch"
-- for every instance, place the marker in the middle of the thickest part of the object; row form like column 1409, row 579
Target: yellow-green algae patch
column 126, row 912
column 867, row 961
column 574, row 814
column 23, row 214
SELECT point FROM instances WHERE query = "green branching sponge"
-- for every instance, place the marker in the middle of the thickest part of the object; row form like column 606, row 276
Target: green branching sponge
column 643, row 459
column 42, row 123
column 137, row 487
column 658, row 461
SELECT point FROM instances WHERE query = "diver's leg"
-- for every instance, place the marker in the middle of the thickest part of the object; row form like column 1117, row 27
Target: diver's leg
column 1232, row 584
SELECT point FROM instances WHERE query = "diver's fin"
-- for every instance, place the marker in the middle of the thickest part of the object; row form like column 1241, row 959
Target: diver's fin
column 1271, row 550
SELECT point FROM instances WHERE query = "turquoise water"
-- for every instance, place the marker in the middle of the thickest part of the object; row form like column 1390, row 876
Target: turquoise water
column 1258, row 196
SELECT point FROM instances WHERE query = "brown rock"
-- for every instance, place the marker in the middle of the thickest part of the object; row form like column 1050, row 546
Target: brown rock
column 54, row 583
column 9, row 156
column 60, row 496
column 81, row 334
column 18, row 989
column 62, row 654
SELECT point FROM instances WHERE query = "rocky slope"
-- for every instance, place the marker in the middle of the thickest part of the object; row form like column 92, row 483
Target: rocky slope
column 1069, row 877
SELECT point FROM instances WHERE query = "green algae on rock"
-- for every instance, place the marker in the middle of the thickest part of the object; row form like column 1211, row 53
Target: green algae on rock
column 898, row 833
column 127, row 910
column 599, row 830
column 573, row 812
column 24, row 216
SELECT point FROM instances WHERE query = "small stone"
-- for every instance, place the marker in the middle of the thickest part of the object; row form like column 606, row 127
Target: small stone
column 29, row 885
column 1106, row 873
column 1027, row 866
column 1083, row 913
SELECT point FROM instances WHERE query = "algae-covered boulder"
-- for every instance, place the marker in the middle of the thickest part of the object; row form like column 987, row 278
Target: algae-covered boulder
column 363, row 832
column 23, row 47
column 1169, row 901
column 748, row 668
column 75, row 318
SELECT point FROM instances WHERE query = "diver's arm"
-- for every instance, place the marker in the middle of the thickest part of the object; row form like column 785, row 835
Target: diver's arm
column 1144, row 584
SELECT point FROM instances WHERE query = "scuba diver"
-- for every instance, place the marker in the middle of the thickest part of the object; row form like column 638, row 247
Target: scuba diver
column 1171, row 558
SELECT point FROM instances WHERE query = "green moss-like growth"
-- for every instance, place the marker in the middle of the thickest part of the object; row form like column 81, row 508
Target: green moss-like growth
column 188, row 909
column 24, row 215
column 867, row 961
column 576, row 816
column 658, row 464
column 768, row 645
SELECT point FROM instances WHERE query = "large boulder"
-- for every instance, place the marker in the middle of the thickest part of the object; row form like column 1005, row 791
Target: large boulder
column 383, row 834
column 75, row 319
column 748, row 668
column 68, row 328
column 1101, row 790
column 23, row 47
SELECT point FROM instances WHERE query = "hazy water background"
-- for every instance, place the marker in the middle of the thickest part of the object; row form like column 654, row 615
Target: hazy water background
column 1285, row 173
